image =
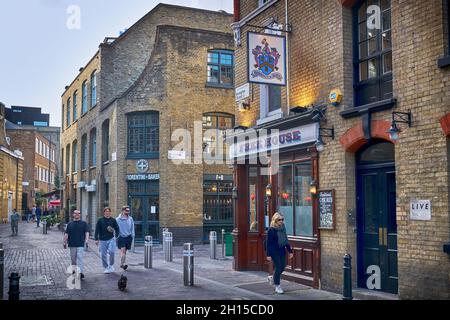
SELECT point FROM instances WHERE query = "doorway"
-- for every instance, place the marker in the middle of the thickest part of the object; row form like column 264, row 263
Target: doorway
column 376, row 217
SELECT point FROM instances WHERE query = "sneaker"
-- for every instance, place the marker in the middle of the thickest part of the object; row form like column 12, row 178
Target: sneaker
column 124, row 267
column 107, row 270
column 279, row 290
column 111, row 269
column 270, row 279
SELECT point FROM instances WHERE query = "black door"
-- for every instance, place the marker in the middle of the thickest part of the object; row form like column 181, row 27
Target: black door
column 377, row 227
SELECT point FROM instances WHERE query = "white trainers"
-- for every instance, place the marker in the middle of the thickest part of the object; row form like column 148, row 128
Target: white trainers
column 279, row 290
column 107, row 270
column 111, row 269
column 270, row 280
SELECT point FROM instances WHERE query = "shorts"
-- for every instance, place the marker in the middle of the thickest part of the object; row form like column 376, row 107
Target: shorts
column 124, row 242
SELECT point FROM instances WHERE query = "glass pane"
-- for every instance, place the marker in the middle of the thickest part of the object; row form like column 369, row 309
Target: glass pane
column 372, row 68
column 213, row 57
column 372, row 45
column 303, row 201
column 226, row 59
column 137, row 211
column 386, row 20
column 380, row 152
column 372, row 3
column 363, row 52
column 385, row 4
column 213, row 74
column 225, row 122
column 285, row 197
column 253, row 198
column 153, row 208
column 362, row 15
column 226, row 75
column 274, row 98
column 362, row 31
column 370, row 204
column 363, row 71
column 207, row 121
column 387, row 62
column 387, row 40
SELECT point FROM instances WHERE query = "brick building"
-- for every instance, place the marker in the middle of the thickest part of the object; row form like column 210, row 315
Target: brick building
column 11, row 171
column 171, row 70
column 40, row 162
column 390, row 193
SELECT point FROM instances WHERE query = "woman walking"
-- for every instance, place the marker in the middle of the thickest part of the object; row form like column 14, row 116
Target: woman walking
column 277, row 244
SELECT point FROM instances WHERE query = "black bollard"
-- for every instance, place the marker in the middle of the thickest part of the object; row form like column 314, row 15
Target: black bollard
column 14, row 281
column 347, row 295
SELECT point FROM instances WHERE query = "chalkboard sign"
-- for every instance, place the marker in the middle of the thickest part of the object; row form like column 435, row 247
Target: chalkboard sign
column 326, row 209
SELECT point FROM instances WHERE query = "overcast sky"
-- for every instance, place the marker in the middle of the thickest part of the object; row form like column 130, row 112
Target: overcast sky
column 40, row 54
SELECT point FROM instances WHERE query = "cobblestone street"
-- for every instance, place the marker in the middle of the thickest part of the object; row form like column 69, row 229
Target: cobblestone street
column 42, row 262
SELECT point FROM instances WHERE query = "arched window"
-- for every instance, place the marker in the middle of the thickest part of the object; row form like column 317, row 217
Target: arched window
column 84, row 152
column 215, row 125
column 75, row 156
column 105, row 141
column 143, row 135
column 372, row 51
column 84, row 103
column 93, row 148
column 75, row 106
column 94, row 89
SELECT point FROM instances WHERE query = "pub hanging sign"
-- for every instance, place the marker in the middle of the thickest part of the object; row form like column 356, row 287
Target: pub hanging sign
column 266, row 58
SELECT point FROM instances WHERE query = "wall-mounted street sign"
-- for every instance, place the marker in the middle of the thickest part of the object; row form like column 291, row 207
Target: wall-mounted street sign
column 266, row 58
column 177, row 155
column 242, row 92
column 142, row 177
column 420, row 210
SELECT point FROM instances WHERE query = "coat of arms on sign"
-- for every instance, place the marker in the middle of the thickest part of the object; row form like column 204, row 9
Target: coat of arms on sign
column 266, row 59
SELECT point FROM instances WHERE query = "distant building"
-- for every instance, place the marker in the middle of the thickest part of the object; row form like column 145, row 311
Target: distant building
column 27, row 116
column 11, row 170
column 40, row 161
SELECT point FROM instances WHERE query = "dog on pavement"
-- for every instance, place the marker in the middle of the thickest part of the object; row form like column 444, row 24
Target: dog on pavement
column 122, row 283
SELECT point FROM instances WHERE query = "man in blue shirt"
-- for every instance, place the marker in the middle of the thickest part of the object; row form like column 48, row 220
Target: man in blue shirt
column 126, row 235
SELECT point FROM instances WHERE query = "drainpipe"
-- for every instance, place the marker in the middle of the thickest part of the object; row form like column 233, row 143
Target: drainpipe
column 287, row 59
column 237, row 10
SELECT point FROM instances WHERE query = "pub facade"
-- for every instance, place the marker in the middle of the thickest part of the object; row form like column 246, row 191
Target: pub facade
column 343, row 127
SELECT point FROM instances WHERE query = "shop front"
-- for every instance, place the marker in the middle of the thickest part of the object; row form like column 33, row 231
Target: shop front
column 286, row 182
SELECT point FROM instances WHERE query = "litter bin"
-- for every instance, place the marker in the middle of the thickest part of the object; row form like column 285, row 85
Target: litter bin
column 228, row 244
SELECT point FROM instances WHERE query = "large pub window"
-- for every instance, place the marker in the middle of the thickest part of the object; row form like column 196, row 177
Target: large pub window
column 372, row 51
column 143, row 135
column 217, row 206
column 294, row 198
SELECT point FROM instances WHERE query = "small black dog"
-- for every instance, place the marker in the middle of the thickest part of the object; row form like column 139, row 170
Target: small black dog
column 122, row 284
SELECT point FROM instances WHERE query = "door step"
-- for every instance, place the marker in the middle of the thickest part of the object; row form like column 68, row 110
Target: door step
column 366, row 294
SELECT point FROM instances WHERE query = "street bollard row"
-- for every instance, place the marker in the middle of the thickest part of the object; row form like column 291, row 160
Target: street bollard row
column 168, row 246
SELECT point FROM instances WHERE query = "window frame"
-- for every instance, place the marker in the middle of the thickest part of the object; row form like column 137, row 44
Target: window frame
column 84, row 152
column 94, row 99
column 68, row 113
column 75, row 106
column 93, row 148
column 105, row 141
column 381, row 78
column 219, row 65
column 444, row 61
column 84, row 98
column 139, row 155
column 218, row 128
column 75, row 156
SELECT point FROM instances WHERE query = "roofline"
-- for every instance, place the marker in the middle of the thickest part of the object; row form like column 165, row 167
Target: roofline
column 158, row 31
column 159, row 5
column 80, row 72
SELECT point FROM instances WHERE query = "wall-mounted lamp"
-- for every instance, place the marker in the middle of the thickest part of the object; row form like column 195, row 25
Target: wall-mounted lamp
column 313, row 187
column 399, row 117
column 269, row 190
column 324, row 132
column 234, row 193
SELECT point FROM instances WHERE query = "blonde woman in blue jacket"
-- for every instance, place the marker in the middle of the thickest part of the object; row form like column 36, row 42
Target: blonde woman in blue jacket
column 277, row 245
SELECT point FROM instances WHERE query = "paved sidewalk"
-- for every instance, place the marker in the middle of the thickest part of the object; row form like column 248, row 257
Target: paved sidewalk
column 42, row 263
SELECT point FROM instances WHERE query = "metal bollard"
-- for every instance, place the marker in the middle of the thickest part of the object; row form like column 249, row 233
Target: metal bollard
column 169, row 247
column 347, row 294
column 164, row 232
column 188, row 264
column 148, row 259
column 14, row 281
column 2, row 269
column 223, row 243
column 213, row 244
column 44, row 227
